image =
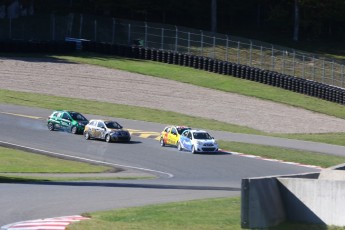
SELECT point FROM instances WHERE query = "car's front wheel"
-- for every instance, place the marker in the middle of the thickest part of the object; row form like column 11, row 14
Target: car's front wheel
column 87, row 136
column 108, row 138
column 194, row 150
column 179, row 146
column 74, row 130
column 51, row 126
column 162, row 142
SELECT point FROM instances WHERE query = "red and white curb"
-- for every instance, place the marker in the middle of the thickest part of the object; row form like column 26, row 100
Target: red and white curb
column 57, row 223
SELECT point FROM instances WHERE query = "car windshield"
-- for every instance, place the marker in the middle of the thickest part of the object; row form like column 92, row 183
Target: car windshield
column 180, row 130
column 77, row 116
column 202, row 136
column 112, row 125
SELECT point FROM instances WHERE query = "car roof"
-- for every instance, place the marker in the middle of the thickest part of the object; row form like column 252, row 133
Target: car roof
column 102, row 120
column 197, row 131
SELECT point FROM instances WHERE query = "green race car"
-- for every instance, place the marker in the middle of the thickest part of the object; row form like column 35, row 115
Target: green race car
column 70, row 121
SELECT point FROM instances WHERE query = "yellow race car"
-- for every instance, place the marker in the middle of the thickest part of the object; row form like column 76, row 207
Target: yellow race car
column 171, row 135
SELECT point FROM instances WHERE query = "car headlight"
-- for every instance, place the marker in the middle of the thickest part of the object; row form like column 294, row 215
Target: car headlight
column 199, row 143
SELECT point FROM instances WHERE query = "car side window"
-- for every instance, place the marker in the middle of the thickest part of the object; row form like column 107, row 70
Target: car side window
column 93, row 123
column 189, row 135
column 65, row 116
column 174, row 131
column 100, row 125
column 55, row 114
column 167, row 130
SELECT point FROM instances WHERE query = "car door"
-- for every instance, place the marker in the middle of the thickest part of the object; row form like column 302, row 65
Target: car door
column 90, row 128
column 187, row 141
column 65, row 121
column 99, row 130
column 173, row 136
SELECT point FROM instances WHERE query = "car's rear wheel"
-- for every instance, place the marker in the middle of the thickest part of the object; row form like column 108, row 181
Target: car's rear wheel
column 179, row 146
column 51, row 126
column 108, row 138
column 87, row 136
column 194, row 150
column 162, row 142
column 74, row 130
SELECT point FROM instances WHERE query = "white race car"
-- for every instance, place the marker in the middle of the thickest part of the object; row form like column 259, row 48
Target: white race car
column 197, row 141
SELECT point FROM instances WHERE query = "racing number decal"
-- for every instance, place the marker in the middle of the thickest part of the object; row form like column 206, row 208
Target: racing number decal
column 165, row 138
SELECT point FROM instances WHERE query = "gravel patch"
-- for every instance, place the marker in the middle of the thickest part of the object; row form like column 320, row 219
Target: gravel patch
column 97, row 83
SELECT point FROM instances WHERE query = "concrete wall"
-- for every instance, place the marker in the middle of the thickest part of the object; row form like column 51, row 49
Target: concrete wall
column 310, row 198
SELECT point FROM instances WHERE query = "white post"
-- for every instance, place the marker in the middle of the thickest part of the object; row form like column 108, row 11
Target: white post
column 261, row 56
column 214, row 46
column 250, row 53
column 272, row 59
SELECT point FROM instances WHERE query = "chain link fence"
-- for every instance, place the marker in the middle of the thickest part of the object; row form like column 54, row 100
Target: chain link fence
column 177, row 39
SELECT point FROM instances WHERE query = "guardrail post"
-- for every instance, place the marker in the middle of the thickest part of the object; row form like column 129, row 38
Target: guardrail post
column 293, row 62
column 214, row 46
column 283, row 61
column 313, row 68
column 303, row 71
column 332, row 72
column 323, row 71
column 250, row 53
column 261, row 56
column 342, row 76
column 272, row 59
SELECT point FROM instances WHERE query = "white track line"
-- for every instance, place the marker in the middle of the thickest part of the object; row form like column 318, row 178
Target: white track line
column 89, row 160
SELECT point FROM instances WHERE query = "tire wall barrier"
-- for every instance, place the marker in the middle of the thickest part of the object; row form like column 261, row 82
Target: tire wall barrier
column 291, row 83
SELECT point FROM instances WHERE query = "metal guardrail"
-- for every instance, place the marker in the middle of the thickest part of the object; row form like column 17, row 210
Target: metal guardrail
column 184, row 40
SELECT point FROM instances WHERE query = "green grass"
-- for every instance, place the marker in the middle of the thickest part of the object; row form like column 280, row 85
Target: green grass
column 16, row 161
column 22, row 162
column 284, row 154
column 223, row 213
column 210, row 214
